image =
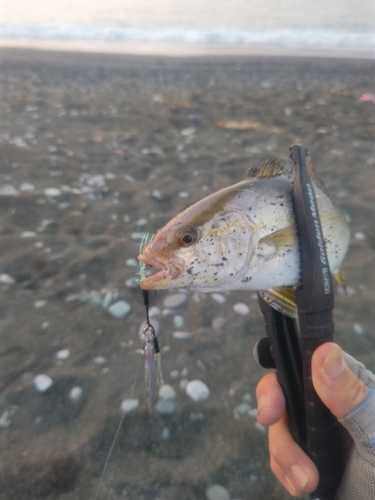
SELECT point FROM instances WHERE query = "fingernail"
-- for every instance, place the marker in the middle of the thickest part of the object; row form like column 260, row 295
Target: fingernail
column 334, row 363
column 299, row 476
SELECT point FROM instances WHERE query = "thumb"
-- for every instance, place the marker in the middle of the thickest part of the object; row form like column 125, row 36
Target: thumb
column 336, row 385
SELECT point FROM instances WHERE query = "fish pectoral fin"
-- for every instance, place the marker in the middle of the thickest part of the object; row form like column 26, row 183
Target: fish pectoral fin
column 283, row 238
column 339, row 277
column 282, row 299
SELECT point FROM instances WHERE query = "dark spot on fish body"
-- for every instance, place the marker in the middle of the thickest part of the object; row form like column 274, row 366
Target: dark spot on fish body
column 190, row 270
column 224, row 258
column 281, row 204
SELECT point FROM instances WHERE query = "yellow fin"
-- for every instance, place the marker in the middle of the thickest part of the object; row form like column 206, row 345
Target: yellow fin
column 282, row 299
column 281, row 238
column 339, row 277
column 271, row 168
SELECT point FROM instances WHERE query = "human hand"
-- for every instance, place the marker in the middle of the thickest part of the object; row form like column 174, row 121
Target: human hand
column 340, row 390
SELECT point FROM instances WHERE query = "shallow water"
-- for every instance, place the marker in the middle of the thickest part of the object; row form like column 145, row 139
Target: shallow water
column 105, row 138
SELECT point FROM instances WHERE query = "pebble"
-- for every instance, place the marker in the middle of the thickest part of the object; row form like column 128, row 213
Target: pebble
column 166, row 391
column 183, row 384
column 358, row 329
column 241, row 308
column 218, row 297
column 154, row 311
column 217, row 492
column 183, row 158
column 174, row 374
column 75, row 394
column 178, row 321
column 141, row 222
column 93, row 297
column 5, row 420
column 175, row 300
column 128, row 405
column 8, row 190
column 52, row 192
column 247, row 398
column 197, row 390
column 165, row 433
column 157, row 195
column 242, row 409
column 109, row 298
column 119, row 309
column 131, row 262
column 39, row 304
column 63, row 354
column 188, row 131
column 132, row 283
column 166, row 312
column 28, row 234
column 196, row 416
column 253, row 413
column 184, row 194
column 184, row 372
column 42, row 383
column 100, row 360
column 137, row 236
column 165, row 406
column 359, row 235
column 261, row 428
column 27, row 186
column 218, row 322
column 182, row 335
column 5, row 279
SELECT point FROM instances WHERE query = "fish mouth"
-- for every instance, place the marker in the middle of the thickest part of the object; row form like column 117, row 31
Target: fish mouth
column 165, row 271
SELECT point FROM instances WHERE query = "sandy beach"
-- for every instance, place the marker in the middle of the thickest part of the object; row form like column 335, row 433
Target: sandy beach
column 97, row 148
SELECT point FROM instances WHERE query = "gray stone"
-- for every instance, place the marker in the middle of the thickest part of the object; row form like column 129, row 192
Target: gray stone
column 119, row 309
column 217, row 492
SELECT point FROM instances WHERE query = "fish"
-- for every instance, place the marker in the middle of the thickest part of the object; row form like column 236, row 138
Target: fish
column 244, row 237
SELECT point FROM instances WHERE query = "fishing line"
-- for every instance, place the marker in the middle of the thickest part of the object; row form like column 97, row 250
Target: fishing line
column 117, row 432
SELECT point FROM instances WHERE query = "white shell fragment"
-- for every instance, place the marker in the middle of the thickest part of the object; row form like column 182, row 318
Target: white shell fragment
column 63, row 354
column 128, row 405
column 5, row 279
column 178, row 321
column 8, row 190
column 5, row 419
column 241, row 308
column 166, row 391
column 75, row 394
column 52, row 192
column 175, row 300
column 182, row 335
column 358, row 329
column 28, row 234
column 218, row 297
column 39, row 304
column 359, row 235
column 197, row 390
column 131, row 262
column 42, row 383
column 217, row 492
column 119, row 309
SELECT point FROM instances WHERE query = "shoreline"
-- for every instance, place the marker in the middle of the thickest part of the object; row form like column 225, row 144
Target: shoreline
column 145, row 52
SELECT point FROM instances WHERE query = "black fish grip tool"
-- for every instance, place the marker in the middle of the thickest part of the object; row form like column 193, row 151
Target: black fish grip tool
column 290, row 345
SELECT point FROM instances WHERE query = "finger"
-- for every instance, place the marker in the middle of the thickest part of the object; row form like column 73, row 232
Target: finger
column 337, row 386
column 271, row 402
column 292, row 467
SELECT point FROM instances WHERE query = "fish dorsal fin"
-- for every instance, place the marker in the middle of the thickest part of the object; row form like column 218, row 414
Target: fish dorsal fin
column 271, row 168
column 282, row 299
column 312, row 173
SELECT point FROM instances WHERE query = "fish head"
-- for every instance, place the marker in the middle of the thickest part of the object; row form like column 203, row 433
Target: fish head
column 204, row 248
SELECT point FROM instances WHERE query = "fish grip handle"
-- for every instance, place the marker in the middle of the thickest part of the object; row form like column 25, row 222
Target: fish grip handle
column 324, row 434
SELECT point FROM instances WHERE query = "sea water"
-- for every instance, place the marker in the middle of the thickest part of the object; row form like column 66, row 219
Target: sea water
column 342, row 26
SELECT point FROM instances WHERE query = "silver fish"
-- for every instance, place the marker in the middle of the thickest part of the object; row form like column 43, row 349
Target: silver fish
column 242, row 238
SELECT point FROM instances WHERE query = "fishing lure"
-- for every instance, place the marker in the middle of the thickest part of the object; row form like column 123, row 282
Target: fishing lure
column 153, row 374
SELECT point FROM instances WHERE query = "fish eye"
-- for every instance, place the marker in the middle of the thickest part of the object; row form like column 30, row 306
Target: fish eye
column 187, row 236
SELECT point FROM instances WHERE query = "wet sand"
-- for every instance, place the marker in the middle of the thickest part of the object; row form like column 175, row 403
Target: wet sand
column 106, row 132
